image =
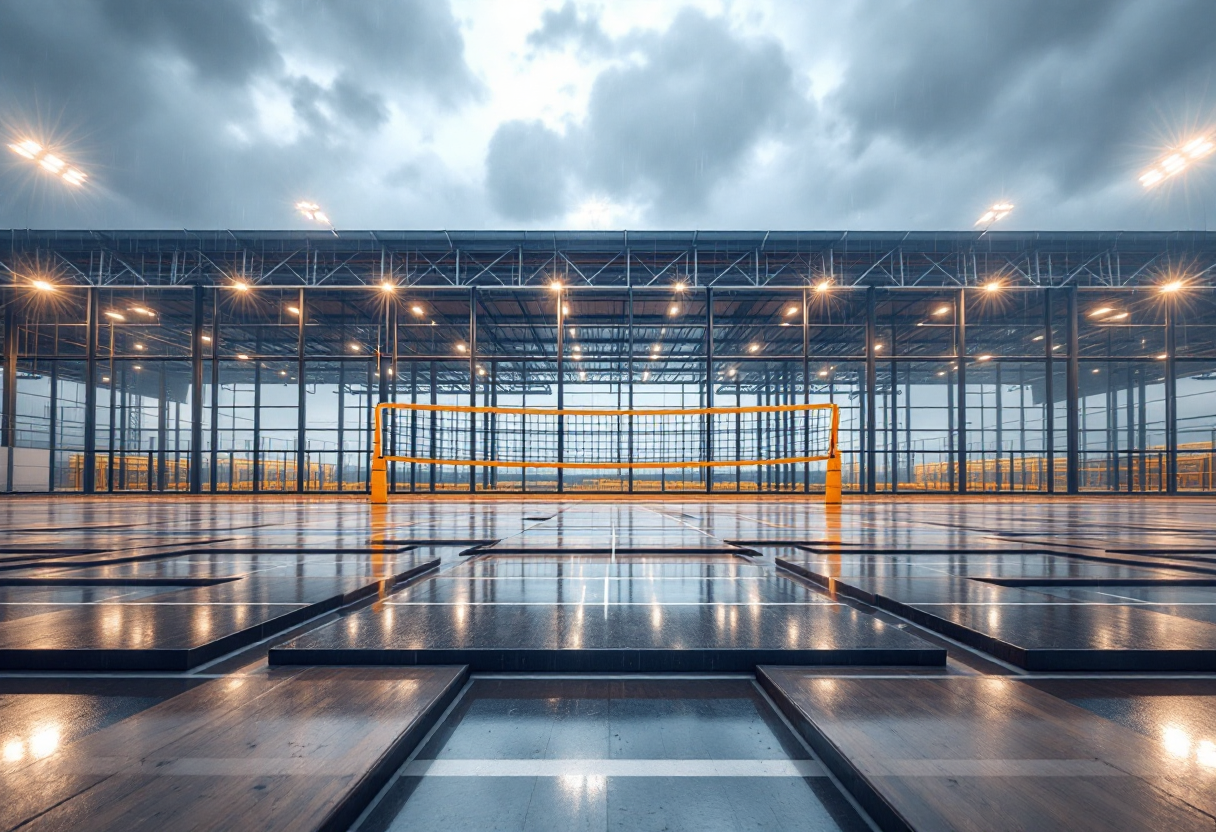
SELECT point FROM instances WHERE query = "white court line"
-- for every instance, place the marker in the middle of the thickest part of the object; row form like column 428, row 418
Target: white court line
column 613, row 768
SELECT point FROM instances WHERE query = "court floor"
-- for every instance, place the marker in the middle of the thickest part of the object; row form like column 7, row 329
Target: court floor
column 498, row 663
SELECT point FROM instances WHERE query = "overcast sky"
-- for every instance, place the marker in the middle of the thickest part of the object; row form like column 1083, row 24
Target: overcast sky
column 857, row 114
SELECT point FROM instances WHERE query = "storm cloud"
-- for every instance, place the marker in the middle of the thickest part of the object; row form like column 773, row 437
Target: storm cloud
column 423, row 113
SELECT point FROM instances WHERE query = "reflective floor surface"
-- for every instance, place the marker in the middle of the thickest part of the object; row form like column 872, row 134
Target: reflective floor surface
column 450, row 663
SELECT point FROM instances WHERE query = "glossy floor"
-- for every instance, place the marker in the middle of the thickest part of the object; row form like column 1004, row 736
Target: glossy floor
column 155, row 663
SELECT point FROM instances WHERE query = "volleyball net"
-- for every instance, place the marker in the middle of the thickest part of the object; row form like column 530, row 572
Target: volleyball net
column 622, row 440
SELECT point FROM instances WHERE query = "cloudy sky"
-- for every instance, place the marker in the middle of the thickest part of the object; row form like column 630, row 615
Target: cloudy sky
column 858, row 114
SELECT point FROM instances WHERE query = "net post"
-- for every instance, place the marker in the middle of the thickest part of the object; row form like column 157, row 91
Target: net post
column 379, row 471
column 831, row 496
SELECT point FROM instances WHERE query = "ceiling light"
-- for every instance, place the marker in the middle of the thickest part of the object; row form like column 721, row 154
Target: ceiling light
column 242, row 356
column 823, row 373
column 417, row 310
column 461, row 348
column 942, row 310
column 753, row 348
column 28, row 148
column 793, row 310
column 118, row 316
column 139, row 346
column 555, row 285
column 823, row 286
column 1037, row 338
column 674, row 310
column 295, row 310
column 992, row 286
column 878, row 348
column 43, row 285
column 983, row 358
column 388, row 287
column 354, row 348
column 1171, row 286
column 143, row 310
column 206, row 338
column 240, row 286
column 1101, row 310
column 679, row 286
column 731, row 372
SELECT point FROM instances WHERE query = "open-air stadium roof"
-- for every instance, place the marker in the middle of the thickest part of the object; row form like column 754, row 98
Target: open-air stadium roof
column 612, row 258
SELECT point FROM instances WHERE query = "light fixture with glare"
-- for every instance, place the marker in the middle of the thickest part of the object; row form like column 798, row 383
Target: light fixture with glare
column 793, row 310
column 983, row 358
column 48, row 161
column 1176, row 160
column 295, row 310
column 43, row 285
column 674, row 310
column 753, row 348
column 555, row 285
column 942, row 310
column 1170, row 286
column 1101, row 310
column 240, row 285
column 823, row 286
column 417, row 310
column 992, row 287
column 388, row 287
column 679, row 286
column 312, row 211
column 996, row 213
column 117, row 316
column 461, row 348
column 242, row 356
column 355, row 348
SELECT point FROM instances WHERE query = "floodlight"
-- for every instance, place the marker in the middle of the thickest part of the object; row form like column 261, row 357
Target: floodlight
column 48, row 161
column 679, row 286
column 312, row 211
column 240, row 286
column 1171, row 286
column 388, row 287
column 823, row 286
column 996, row 213
column 43, row 285
column 1178, row 160
column 992, row 286
column 555, row 285
column 28, row 148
